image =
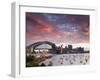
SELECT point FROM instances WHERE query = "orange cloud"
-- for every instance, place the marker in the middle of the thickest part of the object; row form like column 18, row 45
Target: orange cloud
column 46, row 28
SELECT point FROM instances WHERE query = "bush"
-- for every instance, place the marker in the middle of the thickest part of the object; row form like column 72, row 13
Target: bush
column 31, row 61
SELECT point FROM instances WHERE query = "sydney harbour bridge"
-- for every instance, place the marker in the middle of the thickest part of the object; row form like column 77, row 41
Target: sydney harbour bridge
column 31, row 48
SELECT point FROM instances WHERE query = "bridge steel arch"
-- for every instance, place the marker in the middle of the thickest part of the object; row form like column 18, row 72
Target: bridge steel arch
column 36, row 44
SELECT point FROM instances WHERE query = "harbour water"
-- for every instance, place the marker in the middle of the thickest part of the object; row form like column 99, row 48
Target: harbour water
column 67, row 59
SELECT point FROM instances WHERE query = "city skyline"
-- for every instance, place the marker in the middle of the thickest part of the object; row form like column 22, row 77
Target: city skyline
column 58, row 28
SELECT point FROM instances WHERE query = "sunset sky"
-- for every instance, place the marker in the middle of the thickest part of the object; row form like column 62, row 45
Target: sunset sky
column 57, row 28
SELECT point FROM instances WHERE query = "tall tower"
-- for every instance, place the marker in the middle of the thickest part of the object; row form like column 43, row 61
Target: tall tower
column 61, row 48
